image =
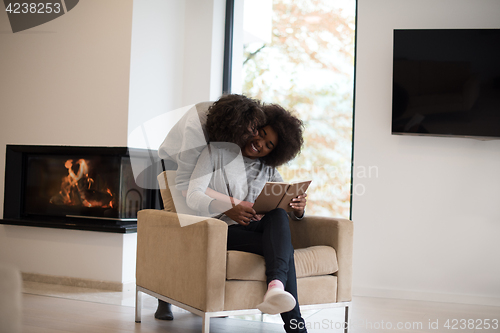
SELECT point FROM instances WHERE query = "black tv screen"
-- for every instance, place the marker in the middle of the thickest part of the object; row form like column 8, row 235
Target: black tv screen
column 446, row 82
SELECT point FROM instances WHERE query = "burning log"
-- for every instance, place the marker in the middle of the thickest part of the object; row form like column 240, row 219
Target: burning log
column 78, row 189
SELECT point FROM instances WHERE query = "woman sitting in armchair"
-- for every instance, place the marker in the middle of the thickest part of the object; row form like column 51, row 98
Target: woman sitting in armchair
column 241, row 175
column 232, row 119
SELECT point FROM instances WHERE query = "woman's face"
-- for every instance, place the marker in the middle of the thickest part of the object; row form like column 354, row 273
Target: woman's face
column 261, row 144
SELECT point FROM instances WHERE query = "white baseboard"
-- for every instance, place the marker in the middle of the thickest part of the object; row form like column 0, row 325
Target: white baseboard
column 78, row 282
column 426, row 296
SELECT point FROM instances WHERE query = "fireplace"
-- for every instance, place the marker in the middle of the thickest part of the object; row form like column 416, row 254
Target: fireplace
column 85, row 188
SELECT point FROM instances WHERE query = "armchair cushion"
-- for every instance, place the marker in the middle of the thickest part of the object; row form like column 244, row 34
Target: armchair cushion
column 311, row 261
column 241, row 295
column 315, row 261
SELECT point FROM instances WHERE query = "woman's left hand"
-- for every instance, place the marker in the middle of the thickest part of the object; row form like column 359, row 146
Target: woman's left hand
column 299, row 204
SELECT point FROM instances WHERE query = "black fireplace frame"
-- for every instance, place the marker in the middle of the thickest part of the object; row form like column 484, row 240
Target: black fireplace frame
column 15, row 169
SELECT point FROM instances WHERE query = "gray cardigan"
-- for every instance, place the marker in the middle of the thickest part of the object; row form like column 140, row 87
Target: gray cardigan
column 224, row 168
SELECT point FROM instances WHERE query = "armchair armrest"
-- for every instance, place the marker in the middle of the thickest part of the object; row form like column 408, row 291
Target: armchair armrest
column 334, row 232
column 187, row 264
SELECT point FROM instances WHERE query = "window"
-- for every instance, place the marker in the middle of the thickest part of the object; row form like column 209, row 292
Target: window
column 300, row 54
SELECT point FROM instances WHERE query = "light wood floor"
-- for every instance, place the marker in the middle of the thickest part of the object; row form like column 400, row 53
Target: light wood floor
column 44, row 314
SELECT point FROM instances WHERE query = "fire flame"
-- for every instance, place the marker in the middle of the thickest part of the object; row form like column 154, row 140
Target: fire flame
column 78, row 188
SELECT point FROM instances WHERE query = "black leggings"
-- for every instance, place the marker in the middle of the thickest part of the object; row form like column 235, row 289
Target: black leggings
column 270, row 237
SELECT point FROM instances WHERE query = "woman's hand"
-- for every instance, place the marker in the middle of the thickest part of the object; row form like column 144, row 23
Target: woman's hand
column 299, row 204
column 244, row 203
column 258, row 217
column 241, row 214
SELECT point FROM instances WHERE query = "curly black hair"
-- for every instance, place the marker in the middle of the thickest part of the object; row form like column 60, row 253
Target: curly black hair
column 289, row 129
column 234, row 118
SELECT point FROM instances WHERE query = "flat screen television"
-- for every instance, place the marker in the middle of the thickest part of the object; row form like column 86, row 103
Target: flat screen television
column 446, row 82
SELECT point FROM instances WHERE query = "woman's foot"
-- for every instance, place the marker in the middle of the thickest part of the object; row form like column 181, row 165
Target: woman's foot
column 276, row 299
column 164, row 311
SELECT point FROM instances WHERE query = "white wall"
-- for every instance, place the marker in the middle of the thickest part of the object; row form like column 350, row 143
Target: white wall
column 176, row 61
column 427, row 226
column 204, row 50
column 156, row 64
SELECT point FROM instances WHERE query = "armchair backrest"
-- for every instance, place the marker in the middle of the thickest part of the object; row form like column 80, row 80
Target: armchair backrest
column 173, row 200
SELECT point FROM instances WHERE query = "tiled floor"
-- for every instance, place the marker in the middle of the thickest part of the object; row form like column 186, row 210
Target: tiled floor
column 113, row 311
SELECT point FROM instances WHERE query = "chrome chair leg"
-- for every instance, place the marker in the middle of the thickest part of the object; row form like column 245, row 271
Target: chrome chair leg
column 206, row 323
column 346, row 321
column 138, row 305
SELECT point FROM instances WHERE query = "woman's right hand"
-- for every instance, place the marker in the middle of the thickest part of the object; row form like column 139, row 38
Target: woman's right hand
column 242, row 214
column 244, row 203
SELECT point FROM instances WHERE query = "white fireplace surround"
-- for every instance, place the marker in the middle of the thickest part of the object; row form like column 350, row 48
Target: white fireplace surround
column 91, row 259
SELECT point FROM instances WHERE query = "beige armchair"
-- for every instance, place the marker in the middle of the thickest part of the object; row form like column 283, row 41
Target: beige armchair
column 190, row 267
